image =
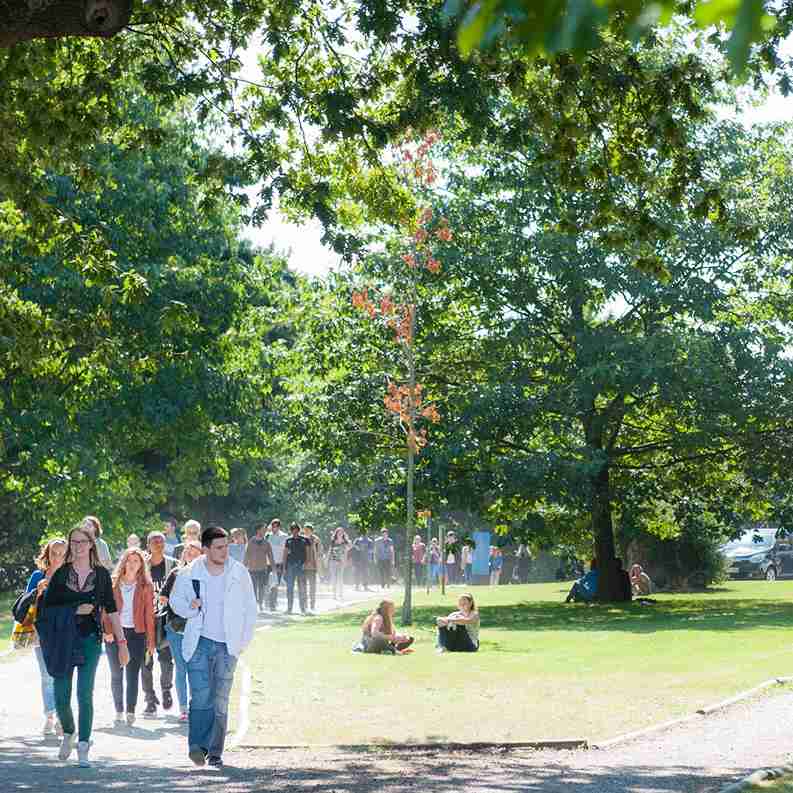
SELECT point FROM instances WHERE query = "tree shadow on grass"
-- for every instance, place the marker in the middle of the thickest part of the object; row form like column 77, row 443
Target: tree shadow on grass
column 25, row 765
column 717, row 614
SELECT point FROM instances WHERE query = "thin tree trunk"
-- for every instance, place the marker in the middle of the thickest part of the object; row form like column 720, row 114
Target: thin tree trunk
column 407, row 605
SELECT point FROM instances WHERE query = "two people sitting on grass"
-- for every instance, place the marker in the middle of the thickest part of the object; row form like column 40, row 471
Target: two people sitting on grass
column 379, row 635
column 585, row 590
column 459, row 631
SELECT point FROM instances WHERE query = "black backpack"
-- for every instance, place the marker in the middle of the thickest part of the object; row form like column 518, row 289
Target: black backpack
column 22, row 605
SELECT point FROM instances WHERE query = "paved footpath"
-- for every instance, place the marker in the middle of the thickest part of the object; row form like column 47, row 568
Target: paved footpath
column 698, row 757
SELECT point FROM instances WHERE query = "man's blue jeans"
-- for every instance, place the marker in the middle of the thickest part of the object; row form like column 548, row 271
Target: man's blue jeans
column 211, row 674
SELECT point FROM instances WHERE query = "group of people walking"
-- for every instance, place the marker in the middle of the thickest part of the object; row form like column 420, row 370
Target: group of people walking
column 196, row 615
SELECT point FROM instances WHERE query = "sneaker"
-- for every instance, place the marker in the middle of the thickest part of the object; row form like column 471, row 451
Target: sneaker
column 67, row 744
column 215, row 760
column 198, row 756
column 82, row 754
column 130, row 719
column 167, row 700
column 404, row 645
column 150, row 712
column 49, row 725
column 440, row 650
column 119, row 719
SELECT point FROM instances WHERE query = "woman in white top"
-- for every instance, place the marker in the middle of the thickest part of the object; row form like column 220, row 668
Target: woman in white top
column 134, row 594
column 459, row 631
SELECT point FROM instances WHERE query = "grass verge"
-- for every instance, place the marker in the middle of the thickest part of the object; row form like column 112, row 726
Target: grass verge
column 545, row 670
column 781, row 785
column 6, row 620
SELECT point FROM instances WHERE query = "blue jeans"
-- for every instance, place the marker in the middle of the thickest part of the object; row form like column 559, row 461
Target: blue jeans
column 211, row 674
column 47, row 683
column 175, row 640
column 295, row 572
column 436, row 572
column 469, row 573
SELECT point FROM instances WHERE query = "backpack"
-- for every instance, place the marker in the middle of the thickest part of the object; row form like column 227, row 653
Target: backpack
column 22, row 605
column 177, row 623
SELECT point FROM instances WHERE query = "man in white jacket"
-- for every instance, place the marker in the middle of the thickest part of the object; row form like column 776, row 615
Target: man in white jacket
column 215, row 595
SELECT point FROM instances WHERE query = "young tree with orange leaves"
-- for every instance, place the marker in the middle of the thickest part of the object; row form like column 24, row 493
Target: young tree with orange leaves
column 423, row 232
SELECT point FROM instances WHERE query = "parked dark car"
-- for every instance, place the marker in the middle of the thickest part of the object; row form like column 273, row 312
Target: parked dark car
column 760, row 553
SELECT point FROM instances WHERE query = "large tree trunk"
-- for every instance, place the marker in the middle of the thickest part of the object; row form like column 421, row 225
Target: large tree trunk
column 22, row 20
column 609, row 588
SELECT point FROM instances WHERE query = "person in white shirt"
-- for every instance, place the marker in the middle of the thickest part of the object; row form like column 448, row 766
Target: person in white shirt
column 215, row 595
column 277, row 539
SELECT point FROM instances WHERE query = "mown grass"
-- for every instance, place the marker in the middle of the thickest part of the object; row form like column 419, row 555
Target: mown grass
column 544, row 670
column 782, row 785
column 6, row 620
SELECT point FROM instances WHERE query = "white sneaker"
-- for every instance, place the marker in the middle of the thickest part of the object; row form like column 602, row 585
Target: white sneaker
column 130, row 719
column 82, row 754
column 67, row 744
column 118, row 720
column 49, row 725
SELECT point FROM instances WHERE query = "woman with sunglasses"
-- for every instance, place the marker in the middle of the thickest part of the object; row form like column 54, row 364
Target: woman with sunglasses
column 82, row 591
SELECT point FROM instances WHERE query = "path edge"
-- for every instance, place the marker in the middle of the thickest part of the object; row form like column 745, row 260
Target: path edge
column 708, row 710
column 569, row 744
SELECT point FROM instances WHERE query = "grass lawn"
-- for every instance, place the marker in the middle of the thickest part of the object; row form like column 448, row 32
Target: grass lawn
column 6, row 620
column 784, row 785
column 544, row 670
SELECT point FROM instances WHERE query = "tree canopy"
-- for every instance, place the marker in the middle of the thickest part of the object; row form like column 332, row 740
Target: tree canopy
column 574, row 388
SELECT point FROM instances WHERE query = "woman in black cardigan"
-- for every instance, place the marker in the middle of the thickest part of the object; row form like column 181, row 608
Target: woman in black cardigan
column 83, row 587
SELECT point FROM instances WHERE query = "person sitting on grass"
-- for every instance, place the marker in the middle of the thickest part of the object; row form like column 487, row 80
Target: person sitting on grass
column 459, row 632
column 641, row 583
column 378, row 631
column 585, row 589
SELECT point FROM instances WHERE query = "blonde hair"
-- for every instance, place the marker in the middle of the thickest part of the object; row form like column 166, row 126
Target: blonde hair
column 144, row 576
column 192, row 525
column 43, row 559
column 190, row 544
column 470, row 598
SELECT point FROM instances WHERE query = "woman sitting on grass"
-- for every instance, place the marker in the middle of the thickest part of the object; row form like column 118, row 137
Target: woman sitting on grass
column 378, row 631
column 459, row 632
